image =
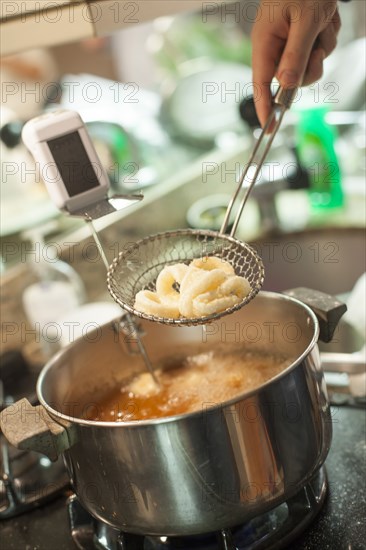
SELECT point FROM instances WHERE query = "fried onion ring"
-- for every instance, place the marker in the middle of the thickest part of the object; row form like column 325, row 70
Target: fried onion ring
column 207, row 304
column 150, row 303
column 212, row 262
column 237, row 286
column 227, row 295
column 166, row 280
column 198, row 281
column 207, row 286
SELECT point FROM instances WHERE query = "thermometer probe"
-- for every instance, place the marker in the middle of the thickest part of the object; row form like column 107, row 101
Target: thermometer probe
column 75, row 178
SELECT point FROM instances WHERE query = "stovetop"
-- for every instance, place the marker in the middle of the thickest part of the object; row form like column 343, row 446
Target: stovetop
column 340, row 525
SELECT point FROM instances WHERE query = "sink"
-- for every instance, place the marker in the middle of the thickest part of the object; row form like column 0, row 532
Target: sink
column 326, row 259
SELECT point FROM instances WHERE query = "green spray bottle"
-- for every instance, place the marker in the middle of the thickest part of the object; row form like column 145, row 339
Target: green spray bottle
column 315, row 145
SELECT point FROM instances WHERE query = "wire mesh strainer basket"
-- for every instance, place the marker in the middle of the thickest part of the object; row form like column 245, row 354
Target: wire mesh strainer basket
column 137, row 268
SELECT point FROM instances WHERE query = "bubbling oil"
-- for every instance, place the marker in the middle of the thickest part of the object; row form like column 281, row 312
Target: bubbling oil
column 189, row 384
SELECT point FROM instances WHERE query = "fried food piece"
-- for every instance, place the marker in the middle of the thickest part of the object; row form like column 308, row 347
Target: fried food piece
column 150, row 303
column 228, row 294
column 212, row 262
column 143, row 385
column 207, row 286
column 167, row 281
column 195, row 283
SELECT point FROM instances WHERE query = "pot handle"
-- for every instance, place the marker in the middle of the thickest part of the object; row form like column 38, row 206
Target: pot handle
column 327, row 309
column 31, row 428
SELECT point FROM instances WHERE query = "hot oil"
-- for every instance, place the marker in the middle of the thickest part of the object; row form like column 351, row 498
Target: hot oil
column 188, row 384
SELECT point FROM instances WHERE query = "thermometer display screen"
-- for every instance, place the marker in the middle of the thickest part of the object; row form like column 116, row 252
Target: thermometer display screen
column 73, row 163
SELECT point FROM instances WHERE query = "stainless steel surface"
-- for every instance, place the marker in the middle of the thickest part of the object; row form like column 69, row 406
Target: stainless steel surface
column 285, row 97
column 27, row 480
column 107, row 206
column 344, row 362
column 197, row 472
column 138, row 267
column 273, row 530
column 226, row 540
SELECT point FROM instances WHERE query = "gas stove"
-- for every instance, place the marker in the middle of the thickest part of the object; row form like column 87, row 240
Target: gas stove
column 328, row 513
column 272, row 530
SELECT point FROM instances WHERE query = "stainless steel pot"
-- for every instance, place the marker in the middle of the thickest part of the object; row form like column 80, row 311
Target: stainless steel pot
column 198, row 472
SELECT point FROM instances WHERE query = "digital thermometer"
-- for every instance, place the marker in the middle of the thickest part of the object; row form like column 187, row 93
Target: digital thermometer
column 75, row 178
column 69, row 164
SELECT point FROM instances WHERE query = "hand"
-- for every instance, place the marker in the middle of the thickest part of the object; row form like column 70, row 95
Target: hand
column 290, row 41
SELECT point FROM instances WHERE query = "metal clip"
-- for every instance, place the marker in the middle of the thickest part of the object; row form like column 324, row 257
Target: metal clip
column 132, row 340
column 130, row 331
column 285, row 97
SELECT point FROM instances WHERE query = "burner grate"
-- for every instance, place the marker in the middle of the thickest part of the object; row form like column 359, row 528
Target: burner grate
column 27, row 480
column 270, row 531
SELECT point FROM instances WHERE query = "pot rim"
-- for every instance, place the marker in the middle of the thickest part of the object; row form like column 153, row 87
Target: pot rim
column 153, row 421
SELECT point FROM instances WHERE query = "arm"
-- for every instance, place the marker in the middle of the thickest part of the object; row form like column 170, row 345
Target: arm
column 290, row 41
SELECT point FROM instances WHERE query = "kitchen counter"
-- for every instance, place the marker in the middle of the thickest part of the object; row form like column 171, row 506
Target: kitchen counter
column 341, row 524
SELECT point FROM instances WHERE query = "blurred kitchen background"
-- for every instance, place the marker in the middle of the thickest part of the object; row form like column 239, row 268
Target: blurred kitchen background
column 160, row 85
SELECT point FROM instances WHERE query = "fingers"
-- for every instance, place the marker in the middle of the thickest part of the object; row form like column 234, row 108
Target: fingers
column 292, row 46
column 267, row 50
column 327, row 40
column 336, row 22
column 326, row 43
column 314, row 70
column 296, row 54
column 307, row 33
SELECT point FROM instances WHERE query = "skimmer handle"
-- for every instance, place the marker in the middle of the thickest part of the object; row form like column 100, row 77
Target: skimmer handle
column 281, row 102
